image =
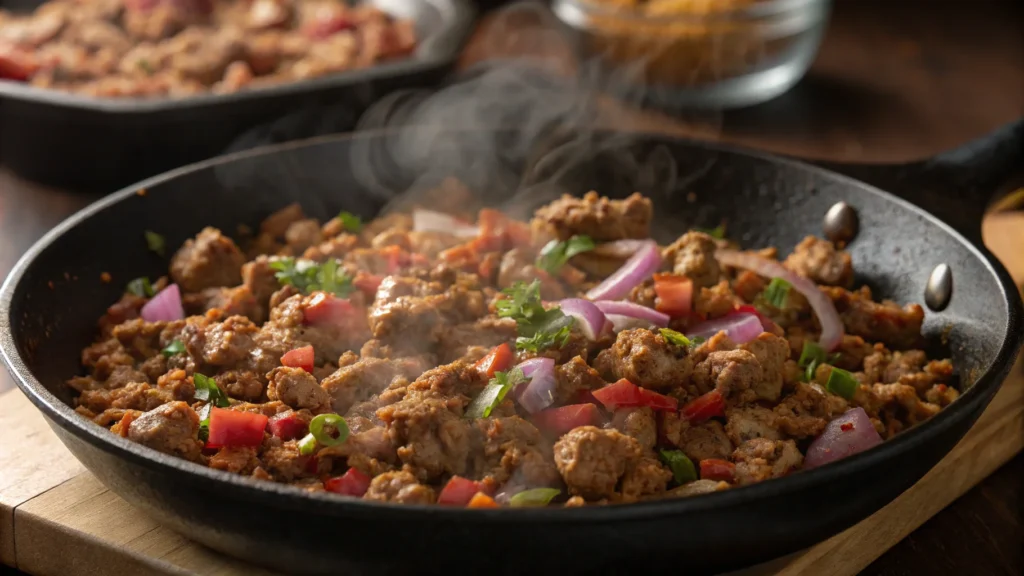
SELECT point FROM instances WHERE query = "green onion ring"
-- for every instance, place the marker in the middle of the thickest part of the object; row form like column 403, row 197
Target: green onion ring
column 316, row 429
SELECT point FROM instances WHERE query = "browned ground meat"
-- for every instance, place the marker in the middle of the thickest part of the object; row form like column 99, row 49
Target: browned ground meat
column 398, row 336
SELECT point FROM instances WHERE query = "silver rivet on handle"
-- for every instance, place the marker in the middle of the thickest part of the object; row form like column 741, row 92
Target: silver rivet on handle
column 841, row 223
column 939, row 289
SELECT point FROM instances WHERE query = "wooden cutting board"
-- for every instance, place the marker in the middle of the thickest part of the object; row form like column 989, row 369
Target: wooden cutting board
column 56, row 519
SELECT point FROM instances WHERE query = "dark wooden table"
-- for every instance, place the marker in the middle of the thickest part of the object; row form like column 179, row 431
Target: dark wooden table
column 894, row 81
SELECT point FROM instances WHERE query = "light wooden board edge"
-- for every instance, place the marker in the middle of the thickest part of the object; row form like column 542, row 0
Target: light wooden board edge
column 101, row 533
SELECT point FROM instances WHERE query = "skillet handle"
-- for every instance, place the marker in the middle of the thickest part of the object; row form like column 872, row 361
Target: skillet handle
column 957, row 185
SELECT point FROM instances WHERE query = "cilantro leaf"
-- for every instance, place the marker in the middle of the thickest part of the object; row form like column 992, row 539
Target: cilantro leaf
column 141, row 287
column 555, row 254
column 716, row 232
column 495, row 392
column 539, row 328
column 308, row 276
column 156, row 242
column 679, row 339
column 208, row 391
column 350, row 221
column 174, row 348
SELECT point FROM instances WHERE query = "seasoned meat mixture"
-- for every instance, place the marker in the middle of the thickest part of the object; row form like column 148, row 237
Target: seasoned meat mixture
column 421, row 358
column 159, row 48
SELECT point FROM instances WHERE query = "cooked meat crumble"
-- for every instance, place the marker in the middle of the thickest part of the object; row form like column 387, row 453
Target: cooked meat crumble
column 442, row 365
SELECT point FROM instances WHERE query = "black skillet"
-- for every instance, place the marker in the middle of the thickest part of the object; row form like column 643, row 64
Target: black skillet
column 50, row 303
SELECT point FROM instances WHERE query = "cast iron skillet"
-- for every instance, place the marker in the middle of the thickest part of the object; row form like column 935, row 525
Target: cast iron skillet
column 50, row 303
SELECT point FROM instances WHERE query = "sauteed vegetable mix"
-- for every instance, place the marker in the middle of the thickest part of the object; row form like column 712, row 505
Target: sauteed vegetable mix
column 482, row 361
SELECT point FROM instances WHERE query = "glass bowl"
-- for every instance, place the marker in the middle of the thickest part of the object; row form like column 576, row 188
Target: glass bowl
column 696, row 53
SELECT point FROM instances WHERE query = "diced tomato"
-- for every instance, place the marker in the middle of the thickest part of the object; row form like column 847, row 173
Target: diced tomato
column 518, row 233
column 367, row 283
column 558, row 421
column 299, row 358
column 481, row 500
column 235, row 428
column 715, row 469
column 288, row 426
column 326, row 308
column 497, row 360
column 584, row 396
column 351, row 483
column 675, row 294
column 328, row 25
column 459, row 491
column 704, row 407
column 488, row 265
column 463, row 257
column 766, row 323
column 397, row 258
column 16, row 64
column 625, row 394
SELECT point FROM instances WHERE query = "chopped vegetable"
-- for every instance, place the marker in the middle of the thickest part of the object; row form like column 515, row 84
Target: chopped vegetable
column 208, row 391
column 165, row 306
column 350, row 221
column 325, row 308
column 846, row 435
column 539, row 393
column 174, row 348
column 633, row 310
column 589, row 318
column 459, row 491
column 533, row 497
column 556, row 254
column 675, row 294
column 230, row 428
column 140, row 287
column 481, row 500
column 497, row 360
column 715, row 469
column 156, row 242
column 430, row 221
column 558, row 421
column 323, row 436
column 777, row 293
column 308, row 276
column 813, row 356
column 716, row 232
column 842, row 383
column 673, row 337
column 307, row 445
column 640, row 265
column 539, row 328
column 682, row 467
column 494, row 393
column 299, row 358
column 766, row 323
column 704, row 407
column 288, row 426
column 204, row 422
column 351, row 483
column 624, row 394
column 740, row 327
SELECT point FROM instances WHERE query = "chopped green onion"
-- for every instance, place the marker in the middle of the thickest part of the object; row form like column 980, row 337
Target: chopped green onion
column 533, row 497
column 813, row 356
column 174, row 348
column 676, row 338
column 204, row 422
column 208, row 391
column 350, row 221
column 156, row 242
column 316, row 429
column 777, row 292
column 716, row 232
column 682, row 467
column 810, row 371
column 842, row 383
column 555, row 254
column 141, row 287
column 494, row 393
column 307, row 445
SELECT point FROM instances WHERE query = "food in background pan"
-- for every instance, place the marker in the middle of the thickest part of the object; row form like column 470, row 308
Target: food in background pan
column 570, row 360
column 147, row 48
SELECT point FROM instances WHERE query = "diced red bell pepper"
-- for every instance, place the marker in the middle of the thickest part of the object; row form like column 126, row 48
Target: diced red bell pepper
column 481, row 500
column 351, row 483
column 704, row 407
column 288, row 426
column 558, row 421
column 497, row 360
column 299, row 358
column 328, row 25
column 675, row 294
column 459, row 491
column 715, row 469
column 235, row 428
column 367, row 283
column 625, row 394
column 324, row 308
column 17, row 64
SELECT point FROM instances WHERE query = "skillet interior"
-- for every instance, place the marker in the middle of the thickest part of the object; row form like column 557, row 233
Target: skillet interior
column 50, row 302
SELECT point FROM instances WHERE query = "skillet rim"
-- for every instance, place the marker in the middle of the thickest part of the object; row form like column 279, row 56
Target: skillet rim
column 249, row 489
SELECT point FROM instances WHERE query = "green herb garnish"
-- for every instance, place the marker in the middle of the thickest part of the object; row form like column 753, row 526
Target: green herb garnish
column 813, row 356
column 145, row 66
column 141, row 287
column 174, row 348
column 208, row 391
column 317, row 431
column 676, row 338
column 495, row 392
column 777, row 292
column 308, row 276
column 533, row 497
column 539, row 328
column 716, row 232
column 204, row 422
column 682, row 467
column 307, row 445
column 842, row 383
column 555, row 254
column 350, row 221
column 156, row 242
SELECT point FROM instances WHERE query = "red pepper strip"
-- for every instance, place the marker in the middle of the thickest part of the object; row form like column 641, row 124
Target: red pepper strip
column 497, row 360
column 704, row 407
column 235, row 428
column 351, row 483
column 299, row 358
column 625, row 394
column 714, row 469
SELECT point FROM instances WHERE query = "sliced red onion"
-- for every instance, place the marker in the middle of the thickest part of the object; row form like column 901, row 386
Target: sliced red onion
column 845, row 436
column 539, row 392
column 644, row 262
column 741, row 327
column 633, row 310
column 620, row 322
column 824, row 309
column 618, row 248
column 590, row 318
column 430, row 221
column 166, row 305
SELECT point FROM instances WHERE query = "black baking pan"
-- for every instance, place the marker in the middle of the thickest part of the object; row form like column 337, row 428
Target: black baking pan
column 91, row 144
column 929, row 214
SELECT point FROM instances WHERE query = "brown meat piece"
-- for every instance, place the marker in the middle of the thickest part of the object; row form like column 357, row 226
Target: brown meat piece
column 749, row 285
column 693, row 256
column 896, row 405
column 805, row 412
column 221, row 344
column 941, row 395
column 260, row 279
column 298, row 389
column 431, row 435
column 283, row 460
column 400, row 314
column 884, row 322
column 697, row 487
column 329, row 339
column 513, row 453
column 336, row 247
column 761, row 459
column 732, row 373
column 705, row 440
column 771, row 352
column 277, row 223
column 241, row 384
column 140, row 338
column 598, row 217
column 573, row 377
column 236, row 459
column 638, row 423
column 646, row 359
column 400, row 486
column 208, row 261
column 716, row 301
column 644, row 477
column 172, row 428
column 237, row 301
column 358, row 382
column 820, row 261
column 751, row 421
column 475, row 338
column 134, row 396
column 303, row 234
column 592, row 461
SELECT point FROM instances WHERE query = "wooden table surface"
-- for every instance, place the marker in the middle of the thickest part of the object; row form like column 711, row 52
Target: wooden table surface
column 894, row 81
